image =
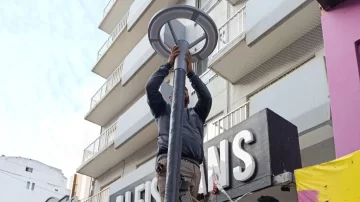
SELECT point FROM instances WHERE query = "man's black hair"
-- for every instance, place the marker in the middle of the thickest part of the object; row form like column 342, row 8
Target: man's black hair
column 267, row 199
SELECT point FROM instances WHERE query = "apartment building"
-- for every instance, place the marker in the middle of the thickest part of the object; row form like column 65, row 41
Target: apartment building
column 24, row 179
column 269, row 55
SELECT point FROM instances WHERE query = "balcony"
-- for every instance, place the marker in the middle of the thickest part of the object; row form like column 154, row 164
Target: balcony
column 113, row 13
column 127, row 33
column 134, row 129
column 259, row 31
column 226, row 122
column 103, row 196
column 126, row 82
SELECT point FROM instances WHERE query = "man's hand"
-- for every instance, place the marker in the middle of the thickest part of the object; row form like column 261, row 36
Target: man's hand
column 175, row 51
column 189, row 62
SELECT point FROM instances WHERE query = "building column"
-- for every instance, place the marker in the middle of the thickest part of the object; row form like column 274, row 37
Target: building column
column 341, row 32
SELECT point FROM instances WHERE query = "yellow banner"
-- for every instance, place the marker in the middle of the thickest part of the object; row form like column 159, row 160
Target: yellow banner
column 334, row 181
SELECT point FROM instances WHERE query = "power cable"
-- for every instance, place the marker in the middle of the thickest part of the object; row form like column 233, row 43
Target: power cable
column 23, row 165
column 6, row 173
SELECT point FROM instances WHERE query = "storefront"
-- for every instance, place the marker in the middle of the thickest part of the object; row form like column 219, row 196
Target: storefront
column 257, row 155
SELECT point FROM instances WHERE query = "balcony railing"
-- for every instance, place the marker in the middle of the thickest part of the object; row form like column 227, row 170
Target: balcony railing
column 105, row 139
column 108, row 7
column 209, row 5
column 230, row 30
column 114, row 34
column 227, row 121
column 110, row 83
column 103, row 196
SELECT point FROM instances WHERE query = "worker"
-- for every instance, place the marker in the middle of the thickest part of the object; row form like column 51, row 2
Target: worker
column 193, row 120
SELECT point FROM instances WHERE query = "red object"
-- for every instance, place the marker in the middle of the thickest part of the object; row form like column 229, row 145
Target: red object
column 214, row 191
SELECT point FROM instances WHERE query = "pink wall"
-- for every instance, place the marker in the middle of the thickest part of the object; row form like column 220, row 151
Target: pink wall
column 341, row 29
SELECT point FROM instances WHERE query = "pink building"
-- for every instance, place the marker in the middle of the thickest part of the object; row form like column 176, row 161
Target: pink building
column 341, row 32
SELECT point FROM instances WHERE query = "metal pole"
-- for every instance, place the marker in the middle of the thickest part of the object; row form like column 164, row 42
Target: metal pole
column 176, row 123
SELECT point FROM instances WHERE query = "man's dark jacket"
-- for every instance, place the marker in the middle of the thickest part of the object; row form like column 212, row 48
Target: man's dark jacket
column 193, row 118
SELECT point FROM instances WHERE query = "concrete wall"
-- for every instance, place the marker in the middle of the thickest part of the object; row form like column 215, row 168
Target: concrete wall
column 38, row 185
column 262, row 16
column 128, row 165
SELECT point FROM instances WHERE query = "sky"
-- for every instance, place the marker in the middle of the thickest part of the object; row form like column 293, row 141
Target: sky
column 47, row 51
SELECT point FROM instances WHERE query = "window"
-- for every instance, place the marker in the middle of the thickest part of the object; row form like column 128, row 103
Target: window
column 33, row 186
column 28, row 169
column 27, row 185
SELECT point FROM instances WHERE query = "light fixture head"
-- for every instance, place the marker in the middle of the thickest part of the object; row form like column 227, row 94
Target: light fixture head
column 183, row 12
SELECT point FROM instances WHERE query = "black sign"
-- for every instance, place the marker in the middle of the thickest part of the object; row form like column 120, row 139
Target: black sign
column 268, row 145
column 245, row 158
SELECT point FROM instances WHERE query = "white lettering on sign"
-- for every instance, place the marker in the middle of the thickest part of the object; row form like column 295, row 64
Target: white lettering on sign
column 220, row 164
column 202, row 181
column 240, row 174
column 154, row 191
column 138, row 191
column 150, row 189
column 120, row 198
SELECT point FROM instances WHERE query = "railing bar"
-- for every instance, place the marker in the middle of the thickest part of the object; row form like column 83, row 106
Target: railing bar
column 231, row 111
column 114, row 34
column 237, row 12
column 92, row 146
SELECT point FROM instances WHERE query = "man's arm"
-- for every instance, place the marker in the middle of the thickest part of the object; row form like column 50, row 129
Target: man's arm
column 203, row 106
column 155, row 100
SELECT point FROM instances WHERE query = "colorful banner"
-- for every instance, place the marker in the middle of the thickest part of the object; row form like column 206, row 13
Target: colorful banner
column 335, row 181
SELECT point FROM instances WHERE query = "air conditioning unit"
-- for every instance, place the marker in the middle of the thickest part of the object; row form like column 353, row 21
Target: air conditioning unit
column 235, row 2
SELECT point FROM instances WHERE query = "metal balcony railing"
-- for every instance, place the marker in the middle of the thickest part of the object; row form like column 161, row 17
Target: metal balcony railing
column 114, row 34
column 105, row 139
column 227, row 121
column 230, row 30
column 110, row 83
column 209, row 5
column 103, row 196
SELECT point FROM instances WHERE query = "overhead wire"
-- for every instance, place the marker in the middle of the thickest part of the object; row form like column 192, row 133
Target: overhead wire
column 7, row 173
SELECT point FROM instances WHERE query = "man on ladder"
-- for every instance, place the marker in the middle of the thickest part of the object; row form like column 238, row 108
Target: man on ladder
column 192, row 131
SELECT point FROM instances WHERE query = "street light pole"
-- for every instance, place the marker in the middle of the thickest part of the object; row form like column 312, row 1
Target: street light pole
column 176, row 123
column 165, row 16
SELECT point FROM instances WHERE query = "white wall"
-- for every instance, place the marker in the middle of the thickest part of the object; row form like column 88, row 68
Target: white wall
column 48, row 181
column 128, row 165
column 262, row 15
column 301, row 97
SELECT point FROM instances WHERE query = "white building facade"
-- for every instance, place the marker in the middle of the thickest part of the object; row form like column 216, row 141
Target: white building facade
column 25, row 179
column 269, row 55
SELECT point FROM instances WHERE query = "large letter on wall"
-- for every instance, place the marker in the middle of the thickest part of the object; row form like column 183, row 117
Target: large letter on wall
column 239, row 174
column 120, row 198
column 138, row 191
column 148, row 191
column 219, row 164
column 128, row 196
column 154, row 191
